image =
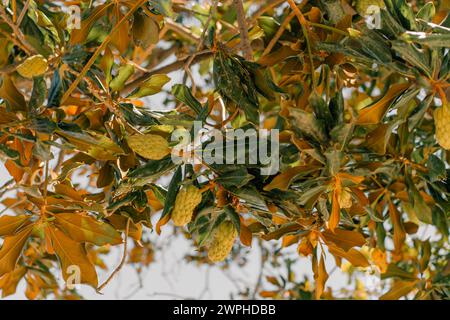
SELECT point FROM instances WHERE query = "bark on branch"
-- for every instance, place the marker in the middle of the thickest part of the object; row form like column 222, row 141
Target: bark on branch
column 245, row 41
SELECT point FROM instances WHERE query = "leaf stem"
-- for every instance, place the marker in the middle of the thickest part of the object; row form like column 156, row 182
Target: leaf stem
column 323, row 26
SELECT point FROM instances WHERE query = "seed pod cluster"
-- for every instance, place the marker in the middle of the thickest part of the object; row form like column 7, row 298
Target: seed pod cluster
column 149, row 146
column 222, row 241
column 185, row 203
column 442, row 124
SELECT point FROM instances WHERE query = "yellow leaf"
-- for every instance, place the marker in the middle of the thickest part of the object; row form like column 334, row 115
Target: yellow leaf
column 153, row 201
column 9, row 224
column 321, row 277
column 162, row 222
column 268, row 294
column 33, row 67
column 68, row 190
column 72, row 254
column 289, row 240
column 355, row 257
column 305, row 247
column 145, row 30
column 398, row 290
column 375, row 112
column 149, row 146
column 97, row 146
column 399, row 232
column 335, row 215
column 344, row 239
column 378, row 139
column 11, row 249
column 87, row 229
column 151, row 86
column 14, row 170
column 283, row 180
column 379, row 258
column 9, row 282
column 121, row 39
column 245, row 235
column 11, row 95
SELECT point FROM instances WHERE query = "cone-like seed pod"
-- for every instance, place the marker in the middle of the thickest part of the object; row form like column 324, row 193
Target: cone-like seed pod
column 222, row 242
column 345, row 199
column 149, row 146
column 442, row 123
column 33, row 66
column 185, row 203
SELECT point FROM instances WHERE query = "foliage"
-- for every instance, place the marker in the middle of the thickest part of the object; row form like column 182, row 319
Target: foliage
column 362, row 113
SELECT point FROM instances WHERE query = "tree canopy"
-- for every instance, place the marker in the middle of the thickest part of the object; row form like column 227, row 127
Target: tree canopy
column 91, row 98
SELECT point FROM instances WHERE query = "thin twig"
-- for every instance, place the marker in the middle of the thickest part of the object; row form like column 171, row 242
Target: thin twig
column 265, row 7
column 185, row 32
column 261, row 271
column 199, row 46
column 13, row 206
column 15, row 41
column 278, row 34
column 105, row 42
column 16, row 31
column 323, row 26
column 122, row 261
column 304, row 24
column 245, row 41
column 22, row 13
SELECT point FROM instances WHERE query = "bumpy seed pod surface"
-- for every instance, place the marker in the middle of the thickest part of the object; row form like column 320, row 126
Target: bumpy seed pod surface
column 185, row 203
column 222, row 241
column 149, row 146
column 442, row 124
column 33, row 66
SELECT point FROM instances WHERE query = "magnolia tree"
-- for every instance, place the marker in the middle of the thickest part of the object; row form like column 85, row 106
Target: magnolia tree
column 318, row 125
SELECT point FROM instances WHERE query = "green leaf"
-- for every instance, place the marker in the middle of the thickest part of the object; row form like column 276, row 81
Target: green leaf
column 145, row 30
column 234, row 217
column 183, row 94
column 38, row 94
column 123, row 74
column 431, row 40
column 421, row 209
column 234, row 177
column 94, row 144
column 150, row 86
column 436, row 168
column 172, row 191
column 56, row 91
column 427, row 12
column 393, row 271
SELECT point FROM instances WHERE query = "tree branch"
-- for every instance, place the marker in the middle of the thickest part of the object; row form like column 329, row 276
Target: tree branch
column 245, row 41
column 122, row 261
